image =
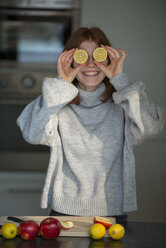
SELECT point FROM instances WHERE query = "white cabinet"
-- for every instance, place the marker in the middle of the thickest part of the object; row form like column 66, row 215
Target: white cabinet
column 20, row 193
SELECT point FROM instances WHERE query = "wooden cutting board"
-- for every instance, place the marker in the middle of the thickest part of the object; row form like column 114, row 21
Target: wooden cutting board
column 80, row 229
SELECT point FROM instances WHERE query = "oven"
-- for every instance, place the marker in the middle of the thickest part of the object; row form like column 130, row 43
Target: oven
column 32, row 35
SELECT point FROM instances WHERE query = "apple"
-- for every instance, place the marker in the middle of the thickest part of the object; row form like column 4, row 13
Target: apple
column 28, row 230
column 104, row 221
column 67, row 224
column 50, row 228
column 9, row 231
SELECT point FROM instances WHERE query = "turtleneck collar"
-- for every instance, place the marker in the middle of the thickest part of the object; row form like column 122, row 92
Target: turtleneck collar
column 91, row 98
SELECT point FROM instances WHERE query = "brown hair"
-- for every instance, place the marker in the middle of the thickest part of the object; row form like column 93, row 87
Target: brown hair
column 97, row 35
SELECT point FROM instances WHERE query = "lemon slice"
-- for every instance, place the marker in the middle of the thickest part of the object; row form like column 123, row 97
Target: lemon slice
column 80, row 56
column 100, row 54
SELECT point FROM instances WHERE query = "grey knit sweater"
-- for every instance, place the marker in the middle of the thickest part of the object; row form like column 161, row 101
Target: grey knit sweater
column 91, row 169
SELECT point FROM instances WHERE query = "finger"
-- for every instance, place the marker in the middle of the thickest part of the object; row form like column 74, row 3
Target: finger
column 100, row 65
column 67, row 55
column 61, row 55
column 105, row 46
column 121, row 51
column 114, row 51
column 111, row 55
column 70, row 60
column 123, row 54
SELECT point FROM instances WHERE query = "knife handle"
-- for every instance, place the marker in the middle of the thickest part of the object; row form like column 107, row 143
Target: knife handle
column 15, row 219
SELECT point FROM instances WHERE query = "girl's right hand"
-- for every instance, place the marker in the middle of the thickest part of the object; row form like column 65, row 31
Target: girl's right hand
column 65, row 70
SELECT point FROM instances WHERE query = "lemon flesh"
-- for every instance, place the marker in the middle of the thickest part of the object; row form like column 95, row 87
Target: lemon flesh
column 116, row 231
column 100, row 54
column 97, row 231
column 80, row 56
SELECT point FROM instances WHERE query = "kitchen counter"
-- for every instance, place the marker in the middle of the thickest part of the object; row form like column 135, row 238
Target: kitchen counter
column 138, row 235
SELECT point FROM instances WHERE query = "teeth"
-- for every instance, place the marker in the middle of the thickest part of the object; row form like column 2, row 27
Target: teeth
column 90, row 73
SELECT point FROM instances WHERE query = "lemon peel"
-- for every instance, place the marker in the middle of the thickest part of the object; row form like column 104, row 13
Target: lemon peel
column 116, row 231
column 97, row 231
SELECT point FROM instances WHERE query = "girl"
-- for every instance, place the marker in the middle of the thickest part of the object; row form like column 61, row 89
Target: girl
column 90, row 116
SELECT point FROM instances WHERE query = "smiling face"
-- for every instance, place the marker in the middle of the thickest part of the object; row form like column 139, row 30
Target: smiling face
column 90, row 76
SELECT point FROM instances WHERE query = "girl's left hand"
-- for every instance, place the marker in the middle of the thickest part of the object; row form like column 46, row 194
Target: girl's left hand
column 117, row 60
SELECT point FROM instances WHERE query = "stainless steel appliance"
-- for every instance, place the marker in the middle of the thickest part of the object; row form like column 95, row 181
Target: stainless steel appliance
column 32, row 35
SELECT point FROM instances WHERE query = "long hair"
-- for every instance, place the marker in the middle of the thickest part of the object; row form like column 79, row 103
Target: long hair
column 97, row 35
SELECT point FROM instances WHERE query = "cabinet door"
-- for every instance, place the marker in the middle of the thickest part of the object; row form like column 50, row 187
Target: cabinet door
column 20, row 194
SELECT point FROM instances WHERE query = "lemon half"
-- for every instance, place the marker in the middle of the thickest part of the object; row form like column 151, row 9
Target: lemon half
column 80, row 56
column 100, row 54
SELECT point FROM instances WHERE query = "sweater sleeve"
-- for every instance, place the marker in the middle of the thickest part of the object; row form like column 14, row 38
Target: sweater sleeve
column 143, row 119
column 39, row 120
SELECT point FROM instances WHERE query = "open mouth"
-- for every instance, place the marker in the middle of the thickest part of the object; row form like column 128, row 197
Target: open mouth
column 91, row 73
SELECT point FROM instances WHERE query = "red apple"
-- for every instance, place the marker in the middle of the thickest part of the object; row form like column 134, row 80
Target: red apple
column 67, row 224
column 50, row 228
column 104, row 221
column 28, row 230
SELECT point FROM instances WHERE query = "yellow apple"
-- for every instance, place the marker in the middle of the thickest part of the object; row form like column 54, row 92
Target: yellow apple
column 9, row 231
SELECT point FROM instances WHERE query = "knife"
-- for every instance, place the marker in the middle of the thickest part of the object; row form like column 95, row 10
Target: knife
column 15, row 219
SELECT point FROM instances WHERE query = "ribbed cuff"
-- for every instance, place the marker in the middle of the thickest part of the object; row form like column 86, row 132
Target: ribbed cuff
column 120, row 81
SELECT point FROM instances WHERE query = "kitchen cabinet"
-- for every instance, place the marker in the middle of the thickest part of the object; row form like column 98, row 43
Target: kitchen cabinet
column 20, row 193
